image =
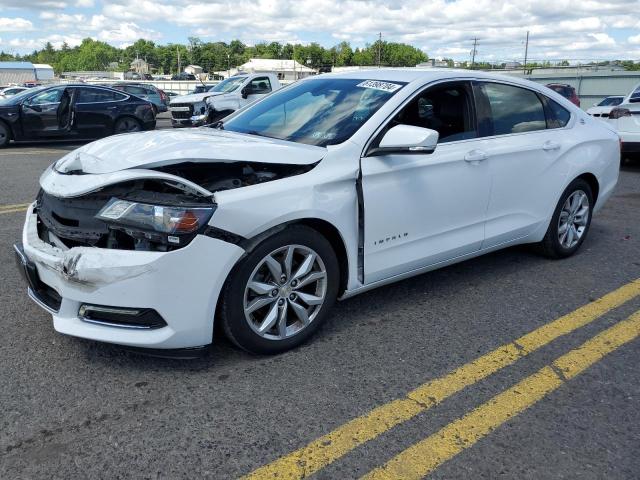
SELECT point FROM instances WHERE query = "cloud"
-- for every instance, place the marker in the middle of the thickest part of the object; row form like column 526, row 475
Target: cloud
column 634, row 40
column 15, row 24
column 558, row 28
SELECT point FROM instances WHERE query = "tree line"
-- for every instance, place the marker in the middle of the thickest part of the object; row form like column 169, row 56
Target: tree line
column 94, row 55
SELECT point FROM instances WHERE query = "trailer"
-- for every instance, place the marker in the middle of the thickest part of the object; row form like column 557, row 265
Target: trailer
column 17, row 73
column 44, row 72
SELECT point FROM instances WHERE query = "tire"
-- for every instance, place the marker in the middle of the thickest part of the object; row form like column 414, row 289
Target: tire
column 555, row 243
column 5, row 135
column 242, row 326
column 127, row 125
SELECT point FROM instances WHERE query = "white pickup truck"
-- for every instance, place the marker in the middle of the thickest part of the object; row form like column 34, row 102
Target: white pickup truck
column 222, row 99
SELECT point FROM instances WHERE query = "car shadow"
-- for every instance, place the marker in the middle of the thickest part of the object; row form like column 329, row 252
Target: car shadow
column 361, row 310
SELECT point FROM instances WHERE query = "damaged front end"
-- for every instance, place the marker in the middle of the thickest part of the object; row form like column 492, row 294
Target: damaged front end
column 148, row 214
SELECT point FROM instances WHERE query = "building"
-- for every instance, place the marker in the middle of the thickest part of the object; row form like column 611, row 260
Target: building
column 286, row 69
column 193, row 69
column 44, row 72
column 140, row 66
column 17, row 73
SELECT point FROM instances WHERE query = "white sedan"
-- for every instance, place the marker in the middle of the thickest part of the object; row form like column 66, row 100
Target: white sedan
column 325, row 189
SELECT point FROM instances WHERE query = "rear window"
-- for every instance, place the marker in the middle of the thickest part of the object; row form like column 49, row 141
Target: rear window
column 514, row 109
column 558, row 115
column 96, row 95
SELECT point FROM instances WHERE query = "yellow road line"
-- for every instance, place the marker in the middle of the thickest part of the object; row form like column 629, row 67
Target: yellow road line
column 16, row 205
column 425, row 456
column 21, row 207
column 328, row 448
column 13, row 211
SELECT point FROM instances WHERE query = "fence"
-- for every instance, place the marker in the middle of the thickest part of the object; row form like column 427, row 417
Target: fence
column 591, row 87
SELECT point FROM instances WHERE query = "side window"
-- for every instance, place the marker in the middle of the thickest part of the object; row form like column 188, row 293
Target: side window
column 260, row 85
column 133, row 90
column 49, row 96
column 96, row 95
column 558, row 115
column 444, row 108
column 513, row 109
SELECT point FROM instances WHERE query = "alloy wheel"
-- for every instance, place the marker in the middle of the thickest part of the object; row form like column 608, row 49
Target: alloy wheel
column 574, row 218
column 285, row 292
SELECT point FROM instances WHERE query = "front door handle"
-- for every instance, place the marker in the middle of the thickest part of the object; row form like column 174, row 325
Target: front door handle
column 549, row 145
column 475, row 156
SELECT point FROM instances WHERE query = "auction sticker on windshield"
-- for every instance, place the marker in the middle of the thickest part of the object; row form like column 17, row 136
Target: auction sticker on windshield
column 378, row 85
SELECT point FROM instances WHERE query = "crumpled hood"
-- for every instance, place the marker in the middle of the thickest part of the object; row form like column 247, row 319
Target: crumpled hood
column 194, row 97
column 168, row 147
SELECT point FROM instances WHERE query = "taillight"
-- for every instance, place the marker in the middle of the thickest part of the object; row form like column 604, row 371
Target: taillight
column 163, row 96
column 619, row 113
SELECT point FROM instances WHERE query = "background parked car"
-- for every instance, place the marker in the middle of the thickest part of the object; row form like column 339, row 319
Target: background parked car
column 72, row 111
column 603, row 108
column 220, row 100
column 147, row 92
column 625, row 118
column 183, row 76
column 566, row 90
column 6, row 92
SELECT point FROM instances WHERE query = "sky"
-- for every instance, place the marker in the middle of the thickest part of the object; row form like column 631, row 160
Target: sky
column 559, row 29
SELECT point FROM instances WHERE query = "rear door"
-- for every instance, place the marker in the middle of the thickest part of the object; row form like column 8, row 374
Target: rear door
column 95, row 110
column 524, row 140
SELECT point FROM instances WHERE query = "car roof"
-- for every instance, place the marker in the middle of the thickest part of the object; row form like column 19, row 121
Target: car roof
column 410, row 75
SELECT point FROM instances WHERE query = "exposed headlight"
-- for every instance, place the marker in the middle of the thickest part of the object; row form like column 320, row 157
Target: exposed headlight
column 199, row 108
column 619, row 113
column 156, row 222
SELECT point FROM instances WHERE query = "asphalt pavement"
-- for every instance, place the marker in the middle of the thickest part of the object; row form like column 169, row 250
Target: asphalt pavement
column 72, row 408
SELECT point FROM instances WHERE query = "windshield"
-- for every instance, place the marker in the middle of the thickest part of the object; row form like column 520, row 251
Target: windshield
column 610, row 101
column 228, row 85
column 316, row 112
column 17, row 98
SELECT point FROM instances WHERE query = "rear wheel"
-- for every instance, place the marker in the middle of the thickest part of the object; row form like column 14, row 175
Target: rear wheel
column 280, row 293
column 126, row 125
column 5, row 135
column 570, row 222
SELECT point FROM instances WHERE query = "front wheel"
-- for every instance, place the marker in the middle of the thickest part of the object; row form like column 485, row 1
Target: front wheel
column 570, row 222
column 280, row 294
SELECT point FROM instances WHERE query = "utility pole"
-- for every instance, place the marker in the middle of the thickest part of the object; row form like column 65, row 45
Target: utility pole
column 179, row 63
column 526, row 52
column 474, row 51
column 379, row 48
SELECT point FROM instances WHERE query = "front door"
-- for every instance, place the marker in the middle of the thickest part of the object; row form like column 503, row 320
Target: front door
column 255, row 89
column 47, row 114
column 424, row 209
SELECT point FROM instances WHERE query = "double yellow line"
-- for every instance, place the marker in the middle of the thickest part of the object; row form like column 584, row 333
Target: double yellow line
column 18, row 207
column 423, row 457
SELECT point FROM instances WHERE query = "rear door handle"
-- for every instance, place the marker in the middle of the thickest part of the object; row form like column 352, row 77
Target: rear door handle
column 549, row 145
column 475, row 156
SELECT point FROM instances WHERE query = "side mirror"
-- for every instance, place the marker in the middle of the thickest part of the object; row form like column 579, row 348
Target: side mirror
column 245, row 92
column 408, row 139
